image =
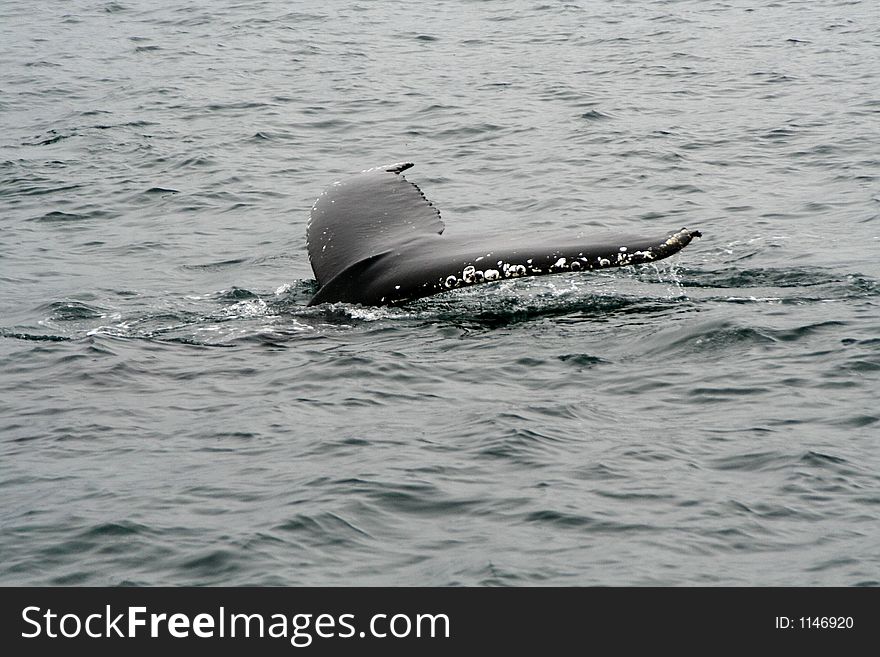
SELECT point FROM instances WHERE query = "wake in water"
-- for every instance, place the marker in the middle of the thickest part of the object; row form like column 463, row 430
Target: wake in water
column 227, row 317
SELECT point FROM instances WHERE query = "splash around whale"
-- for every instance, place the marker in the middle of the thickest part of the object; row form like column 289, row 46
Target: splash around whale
column 374, row 239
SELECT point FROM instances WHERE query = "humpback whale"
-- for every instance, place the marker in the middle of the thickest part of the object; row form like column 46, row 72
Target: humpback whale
column 375, row 239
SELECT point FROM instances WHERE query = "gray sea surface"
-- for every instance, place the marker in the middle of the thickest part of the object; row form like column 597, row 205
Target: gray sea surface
column 171, row 412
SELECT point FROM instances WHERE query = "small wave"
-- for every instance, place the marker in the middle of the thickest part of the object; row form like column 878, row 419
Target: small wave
column 214, row 266
column 36, row 337
column 241, row 105
column 563, row 520
column 236, row 293
column 792, row 285
column 582, row 361
column 760, row 277
column 323, row 529
column 59, row 217
column 213, row 566
column 756, row 461
column 68, row 311
column 596, row 115
column 52, row 137
column 122, row 528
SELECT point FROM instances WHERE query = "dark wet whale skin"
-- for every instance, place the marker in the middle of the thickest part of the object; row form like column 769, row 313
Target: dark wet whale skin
column 374, row 239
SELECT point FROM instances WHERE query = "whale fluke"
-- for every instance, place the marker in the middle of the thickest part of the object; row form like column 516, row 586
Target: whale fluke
column 374, row 239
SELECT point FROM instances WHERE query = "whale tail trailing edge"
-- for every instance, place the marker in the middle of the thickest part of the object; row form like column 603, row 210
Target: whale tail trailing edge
column 375, row 239
column 365, row 214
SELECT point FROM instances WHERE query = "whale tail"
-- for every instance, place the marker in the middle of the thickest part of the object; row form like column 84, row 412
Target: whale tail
column 375, row 239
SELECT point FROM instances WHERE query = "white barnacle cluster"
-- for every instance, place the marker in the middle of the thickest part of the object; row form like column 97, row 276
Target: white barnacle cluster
column 623, row 258
column 580, row 262
column 561, row 264
column 673, row 240
column 568, row 264
column 511, row 271
column 470, row 275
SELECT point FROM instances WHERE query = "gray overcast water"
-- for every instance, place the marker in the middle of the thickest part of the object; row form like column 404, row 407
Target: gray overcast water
column 171, row 412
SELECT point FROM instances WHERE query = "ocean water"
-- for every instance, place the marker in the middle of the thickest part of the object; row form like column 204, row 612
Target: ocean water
column 171, row 412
